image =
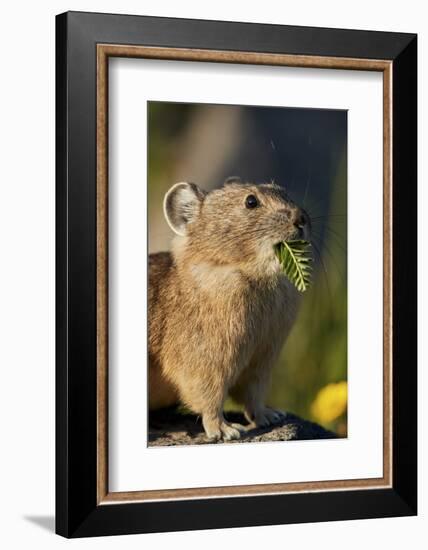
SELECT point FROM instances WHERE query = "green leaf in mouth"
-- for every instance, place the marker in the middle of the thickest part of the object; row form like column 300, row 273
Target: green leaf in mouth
column 295, row 260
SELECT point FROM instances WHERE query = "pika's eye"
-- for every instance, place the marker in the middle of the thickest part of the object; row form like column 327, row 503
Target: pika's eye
column 251, row 201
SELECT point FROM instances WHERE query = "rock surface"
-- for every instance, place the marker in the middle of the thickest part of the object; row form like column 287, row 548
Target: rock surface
column 168, row 428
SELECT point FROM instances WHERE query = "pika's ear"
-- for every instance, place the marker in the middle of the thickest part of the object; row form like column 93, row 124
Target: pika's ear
column 181, row 205
column 232, row 179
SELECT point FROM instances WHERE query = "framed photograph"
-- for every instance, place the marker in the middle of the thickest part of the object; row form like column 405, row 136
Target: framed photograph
column 236, row 274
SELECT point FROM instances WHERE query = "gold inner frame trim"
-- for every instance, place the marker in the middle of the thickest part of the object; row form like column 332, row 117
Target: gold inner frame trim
column 104, row 51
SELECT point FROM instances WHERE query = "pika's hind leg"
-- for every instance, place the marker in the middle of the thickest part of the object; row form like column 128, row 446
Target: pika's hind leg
column 265, row 416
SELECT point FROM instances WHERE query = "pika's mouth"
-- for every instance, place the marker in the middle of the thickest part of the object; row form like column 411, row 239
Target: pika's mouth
column 277, row 247
column 297, row 235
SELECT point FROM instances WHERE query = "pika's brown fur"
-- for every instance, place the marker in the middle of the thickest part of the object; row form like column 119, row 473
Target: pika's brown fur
column 219, row 306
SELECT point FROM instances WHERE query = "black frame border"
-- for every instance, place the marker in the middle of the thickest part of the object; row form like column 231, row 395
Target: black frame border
column 77, row 512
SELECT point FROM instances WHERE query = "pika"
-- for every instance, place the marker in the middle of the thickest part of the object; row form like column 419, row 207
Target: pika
column 220, row 307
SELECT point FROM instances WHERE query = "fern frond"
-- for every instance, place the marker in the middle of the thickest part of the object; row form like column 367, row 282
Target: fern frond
column 296, row 260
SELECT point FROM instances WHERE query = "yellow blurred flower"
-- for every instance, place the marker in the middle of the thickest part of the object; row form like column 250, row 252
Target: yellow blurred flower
column 330, row 402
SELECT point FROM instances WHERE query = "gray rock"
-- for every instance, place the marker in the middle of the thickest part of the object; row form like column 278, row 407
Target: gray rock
column 168, row 427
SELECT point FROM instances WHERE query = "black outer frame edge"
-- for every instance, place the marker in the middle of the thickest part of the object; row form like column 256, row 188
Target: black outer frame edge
column 76, row 511
column 223, row 513
column 405, row 274
column 76, row 278
column 227, row 35
column 61, row 252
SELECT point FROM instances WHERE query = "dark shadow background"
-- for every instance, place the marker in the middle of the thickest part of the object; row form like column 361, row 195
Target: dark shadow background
column 44, row 522
column 305, row 150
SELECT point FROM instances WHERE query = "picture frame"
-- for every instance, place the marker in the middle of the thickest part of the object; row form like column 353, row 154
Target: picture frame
column 84, row 44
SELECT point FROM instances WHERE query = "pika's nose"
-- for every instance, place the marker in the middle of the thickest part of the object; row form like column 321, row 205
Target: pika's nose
column 300, row 219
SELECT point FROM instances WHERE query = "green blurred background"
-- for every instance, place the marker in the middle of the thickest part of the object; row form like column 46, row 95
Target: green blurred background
column 305, row 150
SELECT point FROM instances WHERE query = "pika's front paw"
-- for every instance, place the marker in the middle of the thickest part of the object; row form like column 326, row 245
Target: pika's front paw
column 224, row 431
column 266, row 416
